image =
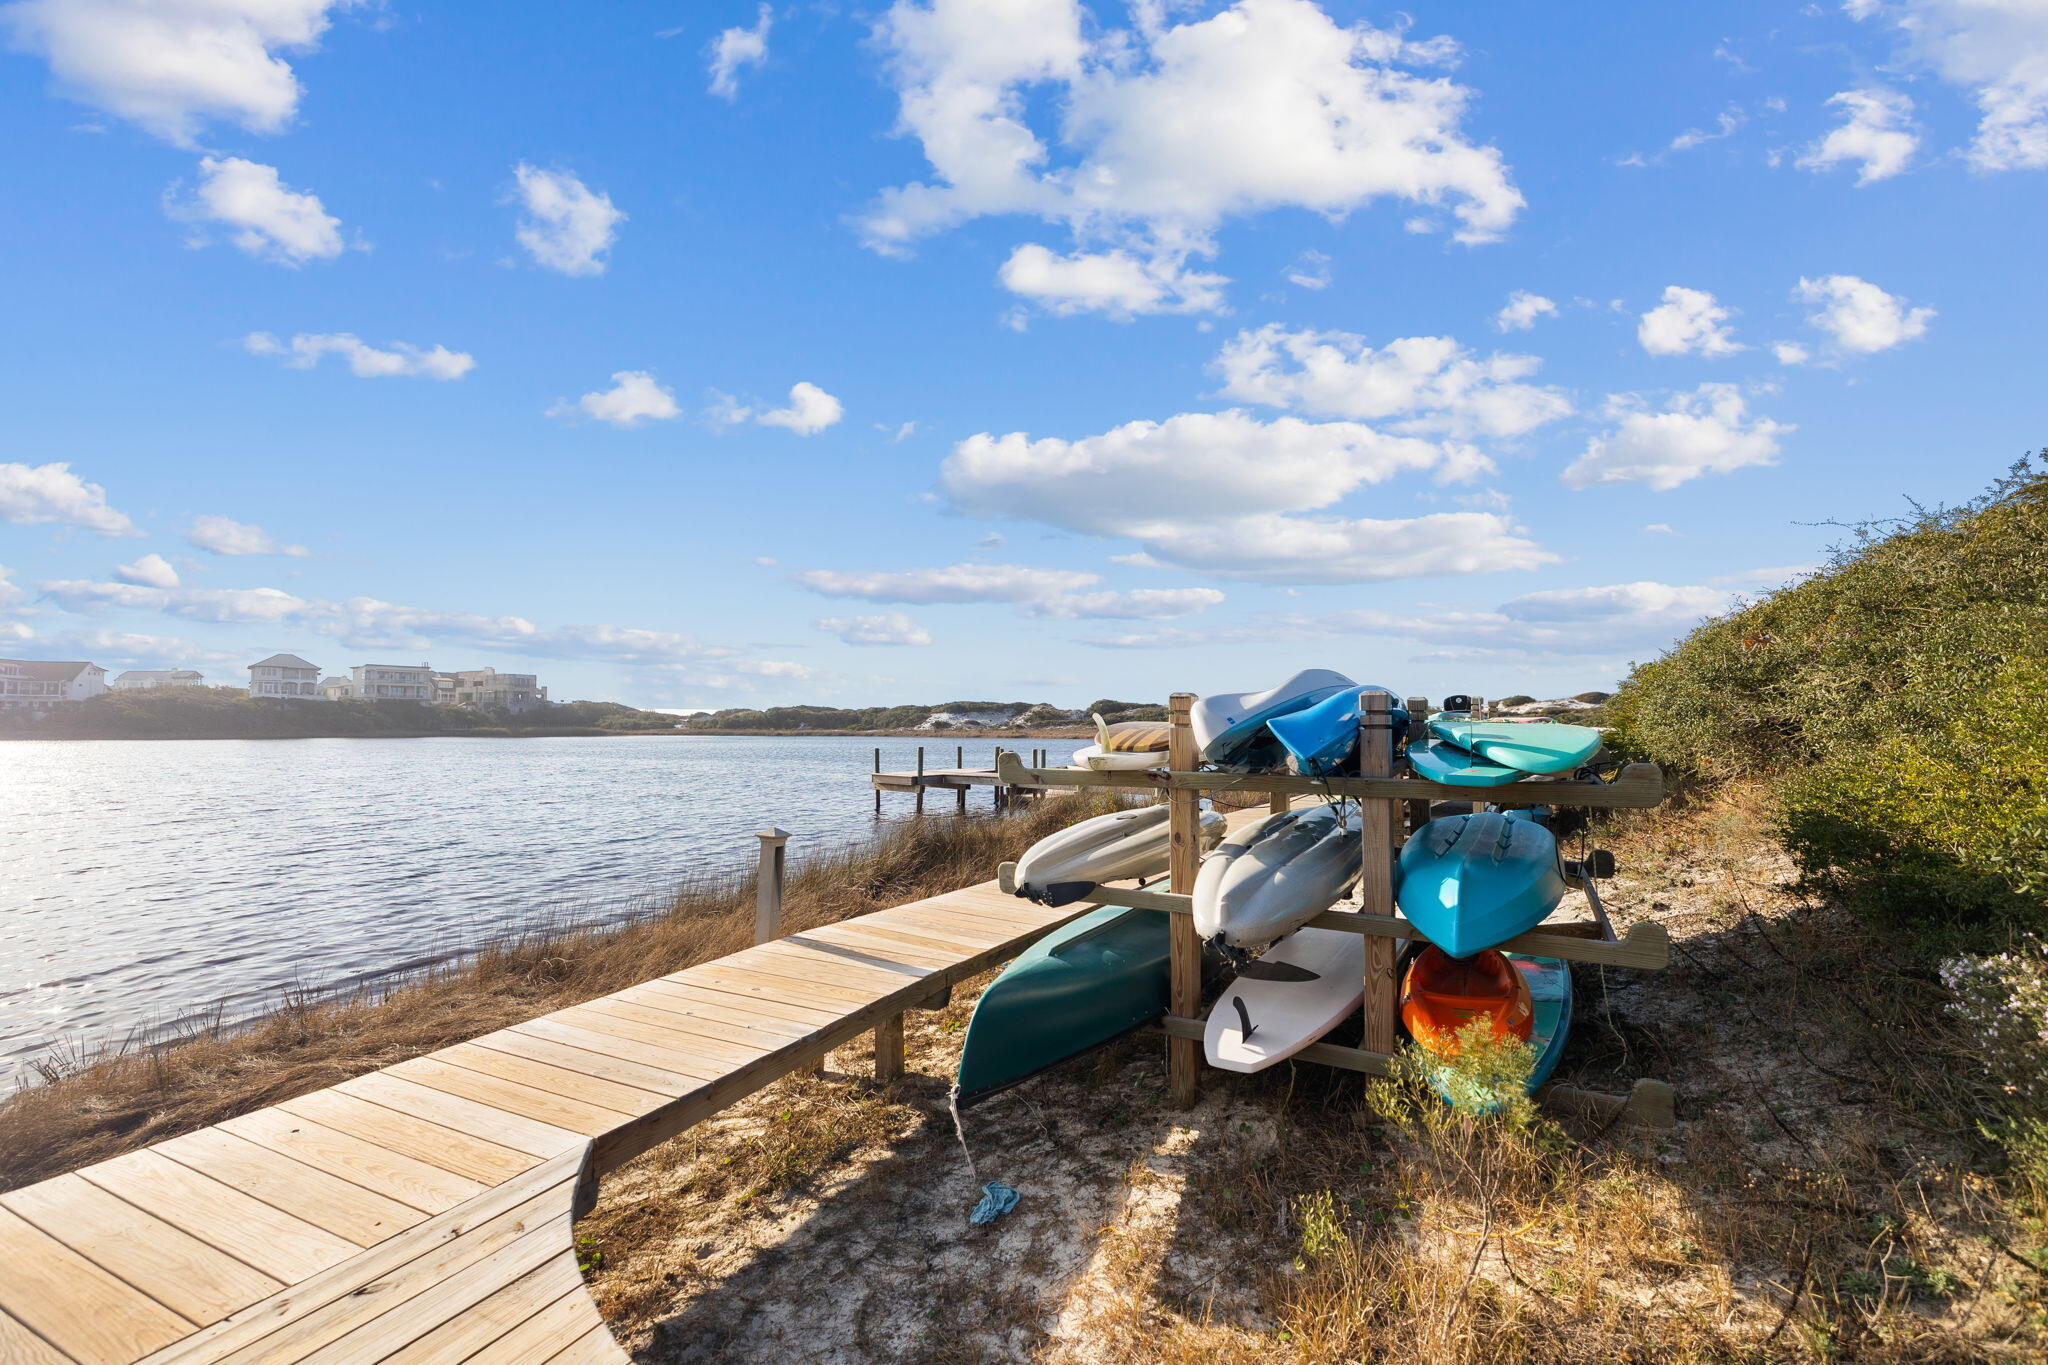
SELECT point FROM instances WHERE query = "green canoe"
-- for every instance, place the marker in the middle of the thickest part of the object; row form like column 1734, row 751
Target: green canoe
column 1526, row 746
column 1077, row 988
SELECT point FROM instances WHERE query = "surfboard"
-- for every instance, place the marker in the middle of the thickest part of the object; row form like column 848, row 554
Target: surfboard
column 1286, row 1016
column 1096, row 758
column 1521, row 745
column 1455, row 767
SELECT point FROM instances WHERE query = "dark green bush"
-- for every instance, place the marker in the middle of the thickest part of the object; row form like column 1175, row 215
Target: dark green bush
column 1893, row 700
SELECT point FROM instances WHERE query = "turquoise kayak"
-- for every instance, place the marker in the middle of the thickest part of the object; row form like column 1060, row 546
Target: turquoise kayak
column 1526, row 746
column 1550, row 989
column 1436, row 761
column 1077, row 988
column 1469, row 882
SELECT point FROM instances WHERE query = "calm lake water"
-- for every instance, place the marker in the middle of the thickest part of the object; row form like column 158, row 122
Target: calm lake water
column 145, row 886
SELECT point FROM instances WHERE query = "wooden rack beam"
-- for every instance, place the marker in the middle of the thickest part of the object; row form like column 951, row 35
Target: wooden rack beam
column 1639, row 786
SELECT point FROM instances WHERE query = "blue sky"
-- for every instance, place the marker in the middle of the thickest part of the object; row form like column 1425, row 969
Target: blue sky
column 722, row 354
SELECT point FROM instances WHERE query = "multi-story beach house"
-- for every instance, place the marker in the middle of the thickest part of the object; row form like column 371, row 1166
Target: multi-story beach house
column 284, row 675
column 488, row 689
column 35, row 683
column 336, row 689
column 393, row 682
column 140, row 679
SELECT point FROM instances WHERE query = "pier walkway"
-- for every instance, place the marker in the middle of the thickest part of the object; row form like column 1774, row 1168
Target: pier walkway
column 424, row 1212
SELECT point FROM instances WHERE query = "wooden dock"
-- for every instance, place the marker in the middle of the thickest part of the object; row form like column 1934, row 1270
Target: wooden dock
column 958, row 779
column 424, row 1212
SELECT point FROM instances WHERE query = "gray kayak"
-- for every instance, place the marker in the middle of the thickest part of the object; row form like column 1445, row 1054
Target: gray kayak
column 1066, row 865
column 1270, row 878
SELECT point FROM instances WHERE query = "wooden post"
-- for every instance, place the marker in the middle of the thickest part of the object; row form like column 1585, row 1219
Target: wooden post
column 768, row 885
column 878, row 786
column 1376, row 877
column 1184, row 949
column 996, row 787
column 1418, row 732
column 960, row 799
column 959, row 755
column 920, row 779
column 1278, row 802
column 889, row 1050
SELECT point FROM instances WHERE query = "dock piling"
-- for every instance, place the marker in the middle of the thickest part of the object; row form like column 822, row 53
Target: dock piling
column 1184, row 947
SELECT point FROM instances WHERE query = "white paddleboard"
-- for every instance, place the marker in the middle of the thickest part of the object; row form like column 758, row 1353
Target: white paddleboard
column 1094, row 757
column 1287, row 1016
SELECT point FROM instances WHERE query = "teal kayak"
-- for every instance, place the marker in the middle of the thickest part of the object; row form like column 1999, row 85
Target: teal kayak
column 1550, row 990
column 1469, row 882
column 1436, row 761
column 1526, row 746
column 1077, row 988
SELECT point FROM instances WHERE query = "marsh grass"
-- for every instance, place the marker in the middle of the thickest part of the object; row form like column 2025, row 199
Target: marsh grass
column 92, row 1105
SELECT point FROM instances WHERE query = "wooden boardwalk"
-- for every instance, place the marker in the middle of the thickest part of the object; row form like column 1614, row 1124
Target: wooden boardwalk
column 423, row 1212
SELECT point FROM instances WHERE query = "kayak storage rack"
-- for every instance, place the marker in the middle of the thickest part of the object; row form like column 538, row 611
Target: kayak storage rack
column 1392, row 802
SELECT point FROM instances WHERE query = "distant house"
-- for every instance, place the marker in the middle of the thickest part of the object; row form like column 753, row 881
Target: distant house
column 140, row 679
column 284, row 675
column 393, row 682
column 35, row 683
column 337, row 689
column 488, row 689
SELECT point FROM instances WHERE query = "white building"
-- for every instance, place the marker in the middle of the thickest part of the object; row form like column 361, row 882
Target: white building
column 393, row 682
column 337, row 689
column 139, row 679
column 488, row 689
column 35, row 683
column 284, row 675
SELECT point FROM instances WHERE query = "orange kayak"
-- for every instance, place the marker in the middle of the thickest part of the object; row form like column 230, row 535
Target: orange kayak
column 1443, row 994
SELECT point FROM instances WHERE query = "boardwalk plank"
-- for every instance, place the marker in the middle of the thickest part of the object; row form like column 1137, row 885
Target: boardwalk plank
column 495, row 1317
column 275, row 1242
column 659, row 1054
column 435, row 1144
column 674, row 1032
column 567, row 1079
column 681, row 1016
column 526, row 1101
column 855, row 964
column 744, row 977
column 80, row 1309
column 326, row 1201
column 774, row 1016
column 553, row 1329
column 426, row 1187
column 478, row 1119
column 20, row 1346
column 608, row 1064
column 187, row 1276
column 595, row 1347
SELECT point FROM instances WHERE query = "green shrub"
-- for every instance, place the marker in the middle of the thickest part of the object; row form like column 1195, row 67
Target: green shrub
column 1902, row 627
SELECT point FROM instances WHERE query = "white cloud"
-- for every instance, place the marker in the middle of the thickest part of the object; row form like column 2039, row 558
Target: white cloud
column 1706, row 431
column 1521, row 312
column 1860, row 318
column 1876, row 134
column 221, row 536
column 810, row 410
column 1688, row 322
column 566, row 226
column 955, row 583
column 1659, row 528
column 1157, row 134
column 365, row 361
column 263, row 216
column 1790, row 353
column 1053, row 593
column 1432, row 383
column 152, row 571
column 38, row 494
column 9, row 593
column 1725, row 124
column 737, row 47
column 890, row 628
column 1311, row 270
column 1998, row 50
column 634, row 397
column 1614, row 621
column 1275, row 548
column 1115, row 283
column 172, row 66
column 1194, row 466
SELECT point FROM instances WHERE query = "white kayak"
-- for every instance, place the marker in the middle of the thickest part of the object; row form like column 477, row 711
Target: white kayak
column 1270, row 878
column 1064, row 867
column 1258, row 1023
column 1096, row 758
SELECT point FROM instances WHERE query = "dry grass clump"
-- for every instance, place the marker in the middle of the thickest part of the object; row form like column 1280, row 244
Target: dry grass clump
column 110, row 1103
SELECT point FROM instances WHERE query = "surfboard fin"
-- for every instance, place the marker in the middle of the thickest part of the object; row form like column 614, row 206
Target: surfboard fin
column 1260, row 970
column 1245, row 1027
column 1064, row 893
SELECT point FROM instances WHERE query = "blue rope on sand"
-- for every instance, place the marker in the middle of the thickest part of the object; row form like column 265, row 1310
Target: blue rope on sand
column 997, row 1199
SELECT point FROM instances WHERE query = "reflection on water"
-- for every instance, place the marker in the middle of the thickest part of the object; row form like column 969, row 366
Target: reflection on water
column 146, row 884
